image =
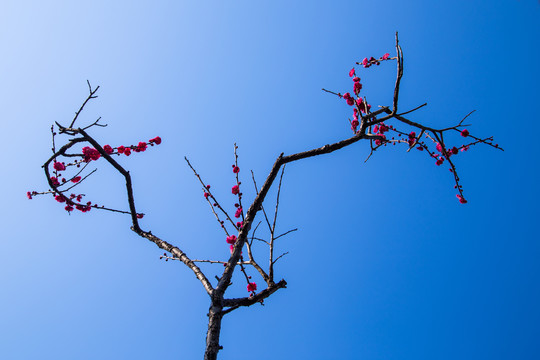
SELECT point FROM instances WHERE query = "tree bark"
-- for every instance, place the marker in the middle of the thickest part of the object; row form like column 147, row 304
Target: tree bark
column 212, row 335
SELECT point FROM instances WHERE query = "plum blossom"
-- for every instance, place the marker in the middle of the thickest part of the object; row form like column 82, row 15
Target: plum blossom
column 58, row 166
column 156, row 140
column 108, row 149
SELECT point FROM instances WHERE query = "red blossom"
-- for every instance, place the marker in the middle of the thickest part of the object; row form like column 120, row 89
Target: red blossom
column 108, row 149
column 140, row 216
column 386, row 56
column 231, row 239
column 54, row 181
column 251, row 287
column 235, row 169
column 439, row 161
column 68, row 208
column 361, row 106
column 349, row 99
column 58, row 166
column 206, row 195
column 29, row 195
column 60, row 198
column 351, row 72
column 239, row 224
column 357, row 87
column 235, row 189
column 121, row 149
column 90, row 154
column 156, row 140
column 127, row 151
column 461, row 199
column 141, row 146
column 238, row 212
column 439, row 147
column 464, row 132
column 76, row 179
column 455, row 150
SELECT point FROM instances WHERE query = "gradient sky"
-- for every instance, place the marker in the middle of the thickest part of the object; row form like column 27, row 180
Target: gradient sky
column 386, row 263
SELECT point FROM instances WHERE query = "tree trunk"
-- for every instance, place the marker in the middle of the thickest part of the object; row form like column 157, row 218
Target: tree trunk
column 212, row 336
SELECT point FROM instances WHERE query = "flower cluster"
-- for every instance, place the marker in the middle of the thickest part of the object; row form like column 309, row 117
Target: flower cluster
column 442, row 152
column 372, row 61
column 90, row 154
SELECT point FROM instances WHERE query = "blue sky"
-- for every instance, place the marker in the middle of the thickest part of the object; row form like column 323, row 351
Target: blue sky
column 386, row 263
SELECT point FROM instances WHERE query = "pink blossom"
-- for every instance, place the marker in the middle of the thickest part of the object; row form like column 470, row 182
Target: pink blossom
column 238, row 212
column 361, row 106
column 239, row 224
column 231, row 239
column 464, row 132
column 235, row 169
column 439, row 161
column 108, row 149
column 235, row 189
column 356, row 79
column 29, row 195
column 206, row 195
column 58, row 166
column 357, row 87
column 251, row 287
column 349, row 99
column 439, row 147
column 461, row 199
column 365, row 62
column 354, row 124
column 386, row 56
column 351, row 72
column 156, row 140
column 76, row 179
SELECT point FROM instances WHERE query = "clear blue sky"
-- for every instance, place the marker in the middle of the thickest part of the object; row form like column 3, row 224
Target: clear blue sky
column 386, row 263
